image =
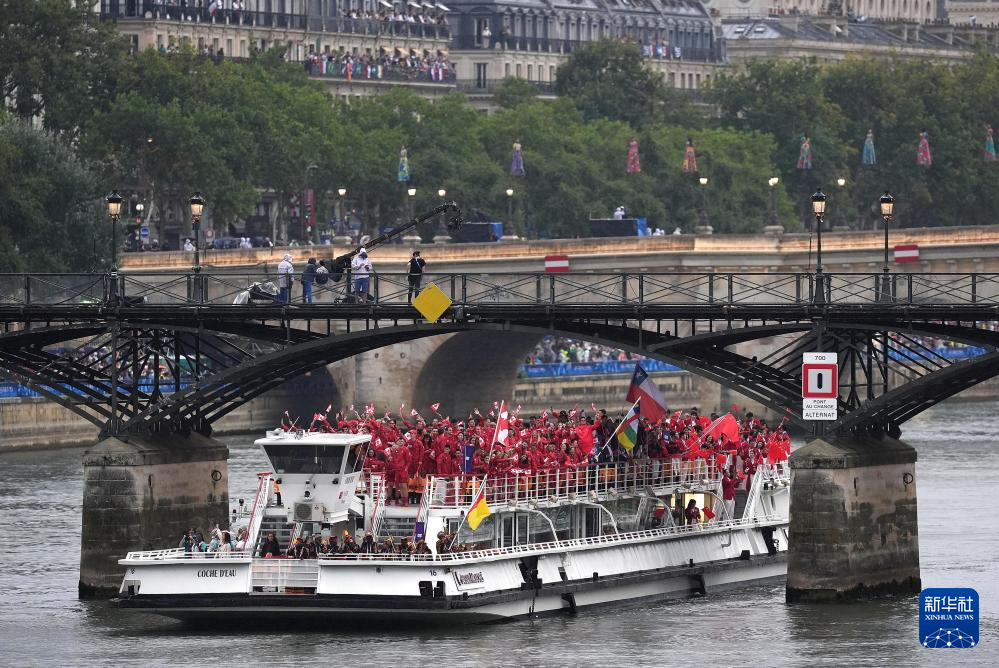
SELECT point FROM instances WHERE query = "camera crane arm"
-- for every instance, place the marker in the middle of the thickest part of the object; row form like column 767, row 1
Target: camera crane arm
column 340, row 265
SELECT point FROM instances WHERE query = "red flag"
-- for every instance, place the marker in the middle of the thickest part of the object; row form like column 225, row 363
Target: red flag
column 434, row 407
column 726, row 425
column 413, row 412
column 710, row 514
column 502, row 425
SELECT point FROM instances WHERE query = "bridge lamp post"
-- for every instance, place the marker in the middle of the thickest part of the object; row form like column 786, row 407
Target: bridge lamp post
column 704, row 200
column 840, row 184
column 772, row 182
column 509, row 208
column 819, row 210
column 411, row 193
column 114, row 201
column 887, row 203
column 341, row 193
column 197, row 207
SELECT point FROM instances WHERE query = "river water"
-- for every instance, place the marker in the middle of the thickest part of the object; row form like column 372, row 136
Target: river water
column 43, row 623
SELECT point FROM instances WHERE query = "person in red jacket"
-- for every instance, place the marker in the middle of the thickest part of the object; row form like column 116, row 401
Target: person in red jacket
column 728, row 495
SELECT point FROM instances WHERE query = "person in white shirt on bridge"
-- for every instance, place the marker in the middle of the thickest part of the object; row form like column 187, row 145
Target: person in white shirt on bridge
column 286, row 276
column 361, row 268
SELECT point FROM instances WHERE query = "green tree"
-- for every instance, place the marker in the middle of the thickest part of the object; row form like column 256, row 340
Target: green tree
column 54, row 63
column 612, row 80
column 50, row 214
column 514, row 91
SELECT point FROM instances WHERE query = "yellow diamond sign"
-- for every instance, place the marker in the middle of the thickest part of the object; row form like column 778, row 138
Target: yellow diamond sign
column 432, row 302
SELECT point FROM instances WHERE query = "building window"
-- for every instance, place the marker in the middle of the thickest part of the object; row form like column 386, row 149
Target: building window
column 672, row 79
column 697, row 81
column 228, row 47
column 530, row 72
column 519, row 73
column 506, row 69
column 480, row 75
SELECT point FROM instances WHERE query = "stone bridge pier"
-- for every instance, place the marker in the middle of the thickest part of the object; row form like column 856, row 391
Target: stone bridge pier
column 141, row 493
column 853, row 531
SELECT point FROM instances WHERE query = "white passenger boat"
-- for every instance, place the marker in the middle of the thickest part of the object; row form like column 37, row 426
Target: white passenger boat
column 556, row 542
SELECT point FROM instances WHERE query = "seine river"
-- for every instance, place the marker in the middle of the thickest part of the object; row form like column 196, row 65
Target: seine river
column 43, row 624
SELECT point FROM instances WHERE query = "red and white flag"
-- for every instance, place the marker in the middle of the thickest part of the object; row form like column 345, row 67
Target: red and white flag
column 907, row 253
column 502, row 425
column 435, row 407
column 556, row 263
column 653, row 405
column 413, row 412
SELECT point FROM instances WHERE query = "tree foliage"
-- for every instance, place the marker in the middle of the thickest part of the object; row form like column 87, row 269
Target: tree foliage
column 838, row 103
column 50, row 218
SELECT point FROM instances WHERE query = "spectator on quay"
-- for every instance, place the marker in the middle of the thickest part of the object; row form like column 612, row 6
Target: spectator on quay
column 286, row 276
column 308, row 278
column 360, row 267
column 416, row 267
column 188, row 246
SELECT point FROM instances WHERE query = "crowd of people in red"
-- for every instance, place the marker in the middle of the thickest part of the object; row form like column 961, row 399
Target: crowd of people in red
column 406, row 451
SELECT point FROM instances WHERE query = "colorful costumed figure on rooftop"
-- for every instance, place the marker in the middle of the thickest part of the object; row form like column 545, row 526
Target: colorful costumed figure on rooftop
column 923, row 156
column 870, row 157
column 403, row 166
column 517, row 164
column 634, row 164
column 689, row 158
column 805, row 153
column 990, row 145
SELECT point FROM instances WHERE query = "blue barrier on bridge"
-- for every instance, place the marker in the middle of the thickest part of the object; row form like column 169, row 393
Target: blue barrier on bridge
column 960, row 353
column 591, row 368
column 15, row 391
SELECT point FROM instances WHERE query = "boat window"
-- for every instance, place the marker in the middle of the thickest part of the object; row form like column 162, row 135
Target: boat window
column 302, row 458
column 355, row 457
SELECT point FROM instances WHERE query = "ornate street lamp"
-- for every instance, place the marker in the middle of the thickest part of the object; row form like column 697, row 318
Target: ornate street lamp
column 704, row 200
column 441, row 193
column 412, row 193
column 819, row 210
column 887, row 203
column 341, row 192
column 509, row 208
column 114, row 201
column 197, row 207
column 772, row 182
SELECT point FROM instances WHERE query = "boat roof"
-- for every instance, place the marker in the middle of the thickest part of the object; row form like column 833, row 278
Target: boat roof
column 279, row 436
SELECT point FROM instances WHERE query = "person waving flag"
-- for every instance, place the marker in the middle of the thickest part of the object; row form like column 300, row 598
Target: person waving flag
column 627, row 431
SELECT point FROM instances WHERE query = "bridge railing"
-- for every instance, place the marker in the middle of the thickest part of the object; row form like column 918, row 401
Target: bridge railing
column 214, row 287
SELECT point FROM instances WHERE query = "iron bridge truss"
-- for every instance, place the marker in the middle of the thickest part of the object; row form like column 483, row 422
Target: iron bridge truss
column 153, row 352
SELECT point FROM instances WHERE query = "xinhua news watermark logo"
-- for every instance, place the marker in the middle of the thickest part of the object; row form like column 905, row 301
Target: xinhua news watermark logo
column 948, row 618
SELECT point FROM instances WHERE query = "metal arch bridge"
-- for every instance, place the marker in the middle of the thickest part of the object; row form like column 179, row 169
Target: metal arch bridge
column 154, row 352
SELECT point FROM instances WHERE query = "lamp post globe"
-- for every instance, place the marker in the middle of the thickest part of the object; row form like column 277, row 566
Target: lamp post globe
column 441, row 192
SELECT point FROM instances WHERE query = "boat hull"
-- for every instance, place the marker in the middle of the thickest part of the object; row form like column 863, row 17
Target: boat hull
column 359, row 610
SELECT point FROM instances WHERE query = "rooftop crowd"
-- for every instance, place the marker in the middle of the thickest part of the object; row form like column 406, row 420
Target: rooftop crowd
column 562, row 350
column 432, row 67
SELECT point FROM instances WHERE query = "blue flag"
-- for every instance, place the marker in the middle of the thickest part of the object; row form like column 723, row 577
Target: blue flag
column 468, row 452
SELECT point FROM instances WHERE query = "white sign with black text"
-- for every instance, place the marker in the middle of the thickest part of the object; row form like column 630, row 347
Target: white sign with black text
column 819, row 386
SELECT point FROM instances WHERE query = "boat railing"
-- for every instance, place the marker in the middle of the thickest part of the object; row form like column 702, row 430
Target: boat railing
column 257, row 513
column 376, row 484
column 598, row 482
column 181, row 553
column 714, row 526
